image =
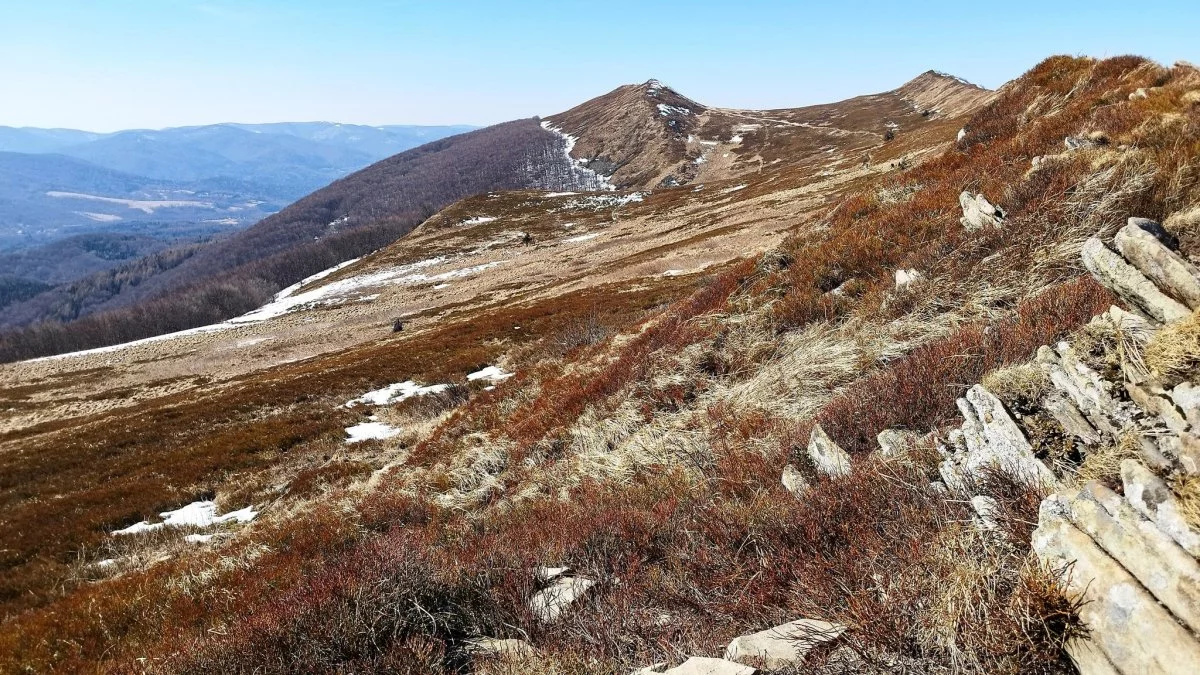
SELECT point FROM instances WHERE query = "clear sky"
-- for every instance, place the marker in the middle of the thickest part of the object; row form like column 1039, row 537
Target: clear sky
column 110, row 64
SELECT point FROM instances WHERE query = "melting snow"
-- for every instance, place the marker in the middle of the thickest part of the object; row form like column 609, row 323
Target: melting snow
column 369, row 431
column 673, row 273
column 441, row 286
column 580, row 173
column 665, row 110
column 582, row 237
column 477, row 220
column 198, row 538
column 563, row 194
column 196, row 514
column 735, row 188
column 394, row 393
column 736, row 139
column 491, row 373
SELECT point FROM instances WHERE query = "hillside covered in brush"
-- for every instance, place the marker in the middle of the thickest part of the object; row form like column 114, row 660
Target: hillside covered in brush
column 635, row 138
column 556, row 430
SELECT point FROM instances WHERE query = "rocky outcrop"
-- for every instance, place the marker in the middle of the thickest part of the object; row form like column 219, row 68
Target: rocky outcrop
column 828, row 457
column 989, row 439
column 978, row 212
column 1169, row 271
column 1132, row 557
column 783, row 646
column 1130, row 284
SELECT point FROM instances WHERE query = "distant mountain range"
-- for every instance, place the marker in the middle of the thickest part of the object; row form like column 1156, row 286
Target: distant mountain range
column 183, row 181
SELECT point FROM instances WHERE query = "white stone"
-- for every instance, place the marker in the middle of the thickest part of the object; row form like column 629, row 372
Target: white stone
column 551, row 602
column 1131, row 285
column 782, row 646
column 828, row 457
column 793, row 481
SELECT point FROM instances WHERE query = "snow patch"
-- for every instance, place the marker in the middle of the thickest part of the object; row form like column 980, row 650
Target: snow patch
column 667, row 110
column 394, row 393
column 491, row 374
column 197, row 514
column 477, row 220
column 584, row 177
column 582, row 237
column 735, row 188
column 370, row 431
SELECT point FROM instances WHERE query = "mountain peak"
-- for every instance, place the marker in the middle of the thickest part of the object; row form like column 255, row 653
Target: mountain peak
column 943, row 93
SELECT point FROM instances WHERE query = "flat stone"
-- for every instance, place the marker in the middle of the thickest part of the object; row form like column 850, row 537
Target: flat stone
column 500, row 648
column 828, row 457
column 1136, row 634
column 793, row 481
column 1170, row 574
column 1173, row 275
column 551, row 602
column 1130, row 284
column 1071, row 420
column 1154, row 400
column 1089, row 659
column 703, row 665
column 783, row 646
column 1152, row 498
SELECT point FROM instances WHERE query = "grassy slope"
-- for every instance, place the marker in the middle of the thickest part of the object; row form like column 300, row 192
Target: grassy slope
column 650, row 460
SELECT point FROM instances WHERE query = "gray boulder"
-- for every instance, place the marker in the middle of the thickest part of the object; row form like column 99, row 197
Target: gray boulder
column 828, row 457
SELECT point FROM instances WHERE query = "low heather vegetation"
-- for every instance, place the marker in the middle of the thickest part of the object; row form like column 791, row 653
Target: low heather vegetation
column 646, row 454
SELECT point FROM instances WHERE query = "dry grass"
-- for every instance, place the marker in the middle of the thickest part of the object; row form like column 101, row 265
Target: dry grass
column 649, row 459
column 1173, row 353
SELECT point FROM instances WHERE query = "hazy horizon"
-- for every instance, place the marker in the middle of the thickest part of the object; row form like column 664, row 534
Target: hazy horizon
column 145, row 64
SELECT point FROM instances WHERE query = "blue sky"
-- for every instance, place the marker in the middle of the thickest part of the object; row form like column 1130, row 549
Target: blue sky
column 110, row 64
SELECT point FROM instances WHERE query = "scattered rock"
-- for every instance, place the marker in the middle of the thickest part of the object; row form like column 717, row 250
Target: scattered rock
column 500, row 648
column 828, row 457
column 783, row 646
column 1126, row 281
column 906, row 278
column 551, row 602
column 894, row 442
column 1092, row 140
column 979, row 213
column 962, row 133
column 703, row 665
column 547, row 574
column 1139, row 245
column 793, row 481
